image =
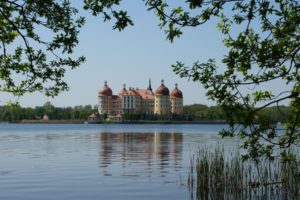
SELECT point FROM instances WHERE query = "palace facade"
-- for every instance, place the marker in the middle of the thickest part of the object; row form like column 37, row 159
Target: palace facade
column 140, row 101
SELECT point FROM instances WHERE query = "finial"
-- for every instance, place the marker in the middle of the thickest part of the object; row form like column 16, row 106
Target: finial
column 162, row 81
column 105, row 83
column 149, row 87
column 124, row 86
column 176, row 85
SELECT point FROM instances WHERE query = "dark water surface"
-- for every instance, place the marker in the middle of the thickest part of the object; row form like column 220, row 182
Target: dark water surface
column 45, row 161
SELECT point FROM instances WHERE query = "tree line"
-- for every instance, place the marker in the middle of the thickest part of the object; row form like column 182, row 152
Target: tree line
column 17, row 114
column 196, row 112
column 203, row 112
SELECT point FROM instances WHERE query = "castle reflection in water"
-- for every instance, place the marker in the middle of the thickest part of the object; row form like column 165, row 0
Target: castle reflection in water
column 139, row 153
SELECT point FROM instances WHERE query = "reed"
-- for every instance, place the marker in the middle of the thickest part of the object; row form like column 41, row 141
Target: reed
column 214, row 174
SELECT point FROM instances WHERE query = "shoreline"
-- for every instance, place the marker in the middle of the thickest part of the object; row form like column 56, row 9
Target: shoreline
column 174, row 122
column 50, row 122
column 123, row 122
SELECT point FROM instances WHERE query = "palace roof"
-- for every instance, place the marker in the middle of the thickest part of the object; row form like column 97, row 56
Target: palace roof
column 162, row 90
column 105, row 90
column 176, row 92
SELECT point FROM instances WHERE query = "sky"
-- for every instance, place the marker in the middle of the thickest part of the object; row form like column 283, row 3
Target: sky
column 132, row 57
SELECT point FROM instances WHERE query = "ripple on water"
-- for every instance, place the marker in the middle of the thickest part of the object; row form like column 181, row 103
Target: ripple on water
column 98, row 161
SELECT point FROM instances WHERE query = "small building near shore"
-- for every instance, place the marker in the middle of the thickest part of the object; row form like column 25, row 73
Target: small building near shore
column 93, row 117
column 45, row 118
column 119, row 118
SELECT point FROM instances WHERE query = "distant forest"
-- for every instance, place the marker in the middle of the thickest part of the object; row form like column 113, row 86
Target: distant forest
column 197, row 112
column 16, row 114
column 203, row 112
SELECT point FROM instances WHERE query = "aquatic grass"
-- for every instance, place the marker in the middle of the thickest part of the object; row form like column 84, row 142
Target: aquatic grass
column 291, row 178
column 216, row 175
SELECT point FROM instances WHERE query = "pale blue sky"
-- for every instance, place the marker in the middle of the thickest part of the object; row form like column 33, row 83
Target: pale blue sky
column 132, row 57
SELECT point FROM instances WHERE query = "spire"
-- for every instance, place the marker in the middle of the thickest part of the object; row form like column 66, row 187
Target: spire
column 149, row 87
column 105, row 83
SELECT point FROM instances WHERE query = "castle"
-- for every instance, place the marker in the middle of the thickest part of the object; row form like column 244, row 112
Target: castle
column 140, row 101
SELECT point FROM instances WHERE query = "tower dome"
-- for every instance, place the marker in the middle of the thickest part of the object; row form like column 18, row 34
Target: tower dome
column 105, row 90
column 176, row 92
column 123, row 91
column 162, row 89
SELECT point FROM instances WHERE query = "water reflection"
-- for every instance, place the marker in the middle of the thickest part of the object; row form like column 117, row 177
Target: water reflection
column 137, row 154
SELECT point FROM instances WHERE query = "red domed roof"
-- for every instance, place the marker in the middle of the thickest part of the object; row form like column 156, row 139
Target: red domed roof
column 123, row 91
column 176, row 92
column 105, row 90
column 162, row 90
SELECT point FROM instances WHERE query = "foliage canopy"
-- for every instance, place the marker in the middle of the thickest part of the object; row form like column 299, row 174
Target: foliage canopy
column 36, row 40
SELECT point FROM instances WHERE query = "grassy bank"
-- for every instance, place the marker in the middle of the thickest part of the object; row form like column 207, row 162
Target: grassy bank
column 174, row 122
column 52, row 121
column 75, row 121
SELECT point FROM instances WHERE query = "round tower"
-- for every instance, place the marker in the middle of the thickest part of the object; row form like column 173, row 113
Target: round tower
column 176, row 99
column 105, row 100
column 162, row 100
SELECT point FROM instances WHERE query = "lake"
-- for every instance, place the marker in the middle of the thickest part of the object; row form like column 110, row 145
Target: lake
column 97, row 161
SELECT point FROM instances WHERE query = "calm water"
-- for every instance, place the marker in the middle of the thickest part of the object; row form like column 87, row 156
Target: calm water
column 99, row 161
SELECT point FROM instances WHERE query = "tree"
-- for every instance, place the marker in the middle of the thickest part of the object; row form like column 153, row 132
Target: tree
column 266, row 49
column 38, row 62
